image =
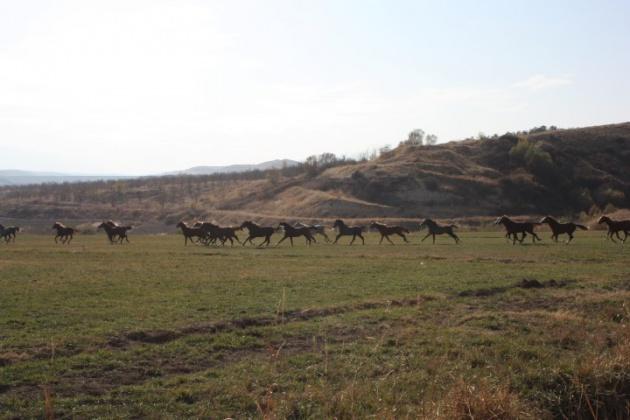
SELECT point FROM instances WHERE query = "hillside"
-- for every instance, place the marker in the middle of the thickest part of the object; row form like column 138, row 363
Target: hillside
column 559, row 172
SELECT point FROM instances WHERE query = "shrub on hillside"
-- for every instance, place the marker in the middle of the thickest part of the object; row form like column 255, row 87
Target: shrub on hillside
column 534, row 158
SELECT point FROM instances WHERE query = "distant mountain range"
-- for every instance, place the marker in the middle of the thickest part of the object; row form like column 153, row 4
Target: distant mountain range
column 19, row 177
column 207, row 170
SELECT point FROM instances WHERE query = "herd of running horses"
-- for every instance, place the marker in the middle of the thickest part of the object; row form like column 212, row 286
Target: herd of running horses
column 206, row 233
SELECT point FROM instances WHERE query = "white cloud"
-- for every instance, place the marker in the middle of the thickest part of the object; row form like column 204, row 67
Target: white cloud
column 541, row 81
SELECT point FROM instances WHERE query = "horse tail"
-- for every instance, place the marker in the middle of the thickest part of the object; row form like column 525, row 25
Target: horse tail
column 581, row 227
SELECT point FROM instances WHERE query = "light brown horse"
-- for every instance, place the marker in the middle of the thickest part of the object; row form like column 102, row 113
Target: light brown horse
column 614, row 227
column 385, row 231
column 558, row 228
column 64, row 233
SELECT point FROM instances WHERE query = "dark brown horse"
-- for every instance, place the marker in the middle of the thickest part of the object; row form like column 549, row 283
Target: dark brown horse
column 190, row 232
column 513, row 228
column 210, row 232
column 294, row 232
column 9, row 233
column 558, row 228
column 214, row 232
column 257, row 231
column 228, row 233
column 345, row 230
column 614, row 227
column 114, row 230
column 436, row 229
column 385, row 231
column 64, row 233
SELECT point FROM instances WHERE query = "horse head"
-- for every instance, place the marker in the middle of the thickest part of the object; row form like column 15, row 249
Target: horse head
column 501, row 220
column 427, row 223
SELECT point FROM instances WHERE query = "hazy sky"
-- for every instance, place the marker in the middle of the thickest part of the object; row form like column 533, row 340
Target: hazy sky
column 149, row 86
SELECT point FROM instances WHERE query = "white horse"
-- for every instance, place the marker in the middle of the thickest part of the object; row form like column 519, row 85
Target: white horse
column 316, row 229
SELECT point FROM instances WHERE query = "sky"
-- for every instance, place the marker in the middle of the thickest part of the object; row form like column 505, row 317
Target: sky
column 140, row 87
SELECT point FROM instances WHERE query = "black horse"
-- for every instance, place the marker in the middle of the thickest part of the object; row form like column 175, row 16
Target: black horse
column 257, row 231
column 614, row 227
column 345, row 230
column 513, row 228
column 114, row 230
column 9, row 233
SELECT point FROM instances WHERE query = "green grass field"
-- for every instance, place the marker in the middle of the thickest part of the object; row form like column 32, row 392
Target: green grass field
column 160, row 330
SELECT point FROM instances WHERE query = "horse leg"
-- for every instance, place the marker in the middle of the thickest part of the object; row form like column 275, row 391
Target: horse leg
column 434, row 239
column 381, row 241
column 236, row 237
column 337, row 238
column 70, row 238
column 291, row 240
column 362, row 238
column 454, row 237
column 325, row 236
column 402, row 235
column 389, row 240
column 280, row 241
column 428, row 234
column 353, row 238
column 570, row 238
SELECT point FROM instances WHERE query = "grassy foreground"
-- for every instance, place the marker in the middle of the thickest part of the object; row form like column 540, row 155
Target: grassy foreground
column 159, row 330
